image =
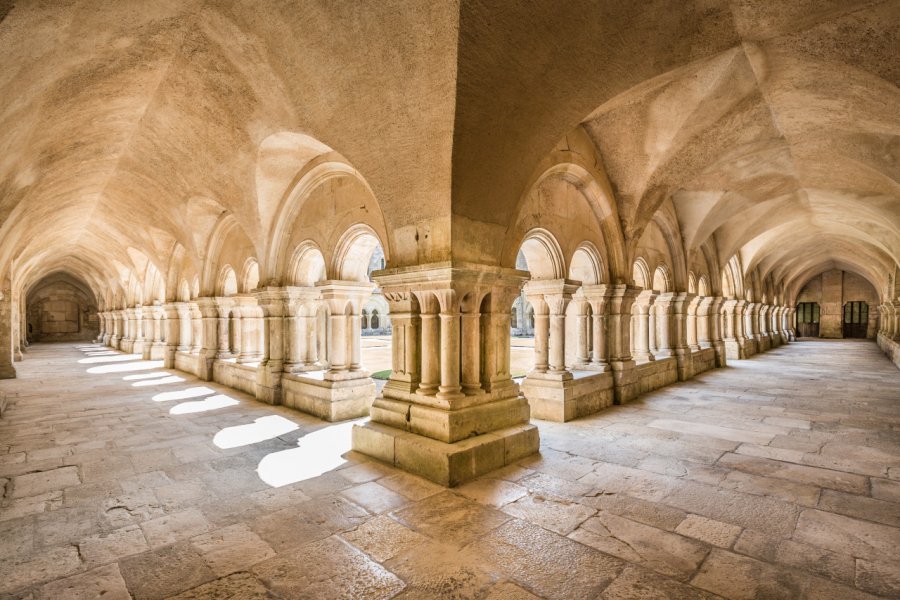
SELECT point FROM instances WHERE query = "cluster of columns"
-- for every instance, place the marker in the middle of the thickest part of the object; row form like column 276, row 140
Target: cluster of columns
column 752, row 327
column 280, row 330
column 889, row 320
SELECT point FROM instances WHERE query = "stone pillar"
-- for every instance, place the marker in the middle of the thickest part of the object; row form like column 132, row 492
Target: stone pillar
column 251, row 334
column 207, row 340
column 549, row 298
column 597, row 296
column 895, row 320
column 102, row 332
column 643, row 306
column 273, row 302
column 345, row 300
column 196, row 317
column 224, row 306
column 137, row 327
column 300, row 306
column 184, row 326
column 663, row 307
column 621, row 298
column 692, row 325
column 583, row 332
column 751, row 340
column 116, row 316
column 715, row 318
column 470, row 344
column 235, row 331
column 157, row 347
column 733, row 335
column 790, row 323
column 450, row 437
column 171, row 332
column 7, row 370
column 680, row 305
column 405, row 354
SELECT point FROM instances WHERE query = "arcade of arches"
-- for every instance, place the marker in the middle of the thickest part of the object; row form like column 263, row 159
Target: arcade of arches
column 247, row 196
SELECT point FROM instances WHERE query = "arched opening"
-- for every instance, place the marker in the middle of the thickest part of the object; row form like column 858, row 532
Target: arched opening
column 228, row 285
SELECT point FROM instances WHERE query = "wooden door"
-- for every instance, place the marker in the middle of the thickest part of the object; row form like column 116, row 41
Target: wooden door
column 856, row 319
column 808, row 319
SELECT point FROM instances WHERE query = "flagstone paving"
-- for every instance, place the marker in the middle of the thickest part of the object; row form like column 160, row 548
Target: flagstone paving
column 777, row 477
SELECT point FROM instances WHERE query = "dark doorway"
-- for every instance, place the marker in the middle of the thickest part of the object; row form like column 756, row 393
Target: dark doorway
column 856, row 319
column 808, row 319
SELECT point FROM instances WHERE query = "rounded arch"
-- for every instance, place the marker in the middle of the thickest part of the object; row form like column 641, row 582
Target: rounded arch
column 640, row 274
column 586, row 265
column 227, row 284
column 662, row 279
column 307, row 265
column 543, row 255
column 703, row 288
column 353, row 253
column 692, row 283
column 249, row 276
column 279, row 254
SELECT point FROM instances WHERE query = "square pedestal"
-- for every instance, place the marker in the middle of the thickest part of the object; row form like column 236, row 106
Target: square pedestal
column 442, row 463
column 311, row 393
column 554, row 400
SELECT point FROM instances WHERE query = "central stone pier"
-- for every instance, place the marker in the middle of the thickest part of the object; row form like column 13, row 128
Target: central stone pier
column 450, row 411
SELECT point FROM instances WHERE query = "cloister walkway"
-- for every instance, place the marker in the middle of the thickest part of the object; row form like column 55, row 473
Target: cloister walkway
column 777, row 477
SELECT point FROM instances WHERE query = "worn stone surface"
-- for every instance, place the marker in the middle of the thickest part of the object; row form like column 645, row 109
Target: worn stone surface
column 565, row 524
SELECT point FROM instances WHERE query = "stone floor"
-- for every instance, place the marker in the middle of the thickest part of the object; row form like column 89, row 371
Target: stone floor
column 778, row 477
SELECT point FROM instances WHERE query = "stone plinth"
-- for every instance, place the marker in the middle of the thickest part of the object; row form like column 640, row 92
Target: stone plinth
column 332, row 400
column 563, row 400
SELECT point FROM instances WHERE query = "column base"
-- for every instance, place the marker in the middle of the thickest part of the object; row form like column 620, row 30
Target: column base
column 330, row 400
column 443, row 463
column 137, row 347
column 561, row 401
column 721, row 354
column 7, row 372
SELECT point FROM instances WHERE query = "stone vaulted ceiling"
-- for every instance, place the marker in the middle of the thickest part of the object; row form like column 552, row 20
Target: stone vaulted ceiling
column 127, row 127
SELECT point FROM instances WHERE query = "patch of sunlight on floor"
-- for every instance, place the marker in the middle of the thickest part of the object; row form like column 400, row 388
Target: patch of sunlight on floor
column 184, row 394
column 145, row 376
column 106, row 353
column 109, row 359
column 169, row 379
column 316, row 453
column 211, row 403
column 141, row 365
column 261, row 429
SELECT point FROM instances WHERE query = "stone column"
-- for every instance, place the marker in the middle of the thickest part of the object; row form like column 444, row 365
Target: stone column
column 196, row 328
column 207, row 342
column 715, row 324
column 895, row 320
column 7, row 370
column 583, row 336
column 429, row 346
column 664, row 309
column 621, row 298
column 597, row 296
column 235, row 331
column 692, row 325
column 549, row 298
column 224, row 307
column 137, row 326
column 273, row 303
column 471, row 343
column 644, row 306
column 251, row 334
column 171, row 329
column 680, row 304
column 449, row 437
column 102, row 332
column 345, row 300
column 184, row 326
column 790, row 323
column 405, row 354
column 733, row 334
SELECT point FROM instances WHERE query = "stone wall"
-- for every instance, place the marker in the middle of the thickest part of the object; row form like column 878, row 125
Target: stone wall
column 831, row 290
column 61, row 312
